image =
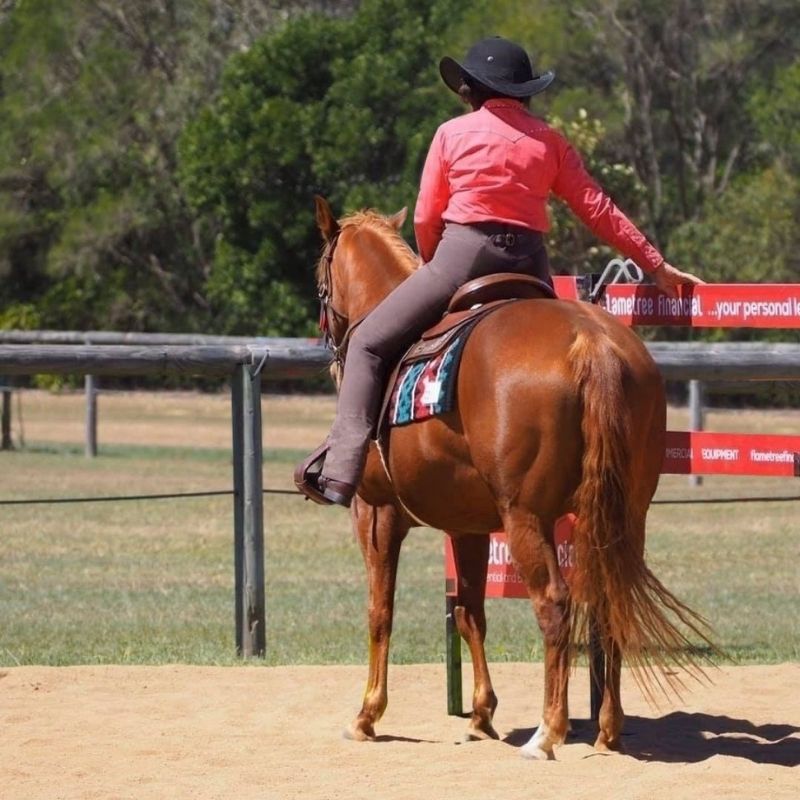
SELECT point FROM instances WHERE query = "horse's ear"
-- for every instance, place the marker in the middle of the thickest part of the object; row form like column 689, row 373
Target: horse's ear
column 398, row 220
column 325, row 220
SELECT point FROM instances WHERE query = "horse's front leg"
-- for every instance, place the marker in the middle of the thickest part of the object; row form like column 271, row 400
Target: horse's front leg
column 537, row 563
column 380, row 531
column 471, row 554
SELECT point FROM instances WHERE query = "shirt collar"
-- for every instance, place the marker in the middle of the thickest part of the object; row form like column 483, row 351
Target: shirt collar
column 502, row 102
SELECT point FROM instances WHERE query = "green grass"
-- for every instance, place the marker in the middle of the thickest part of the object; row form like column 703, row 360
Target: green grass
column 152, row 581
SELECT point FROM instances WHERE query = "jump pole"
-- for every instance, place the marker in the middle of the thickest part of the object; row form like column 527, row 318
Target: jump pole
column 455, row 701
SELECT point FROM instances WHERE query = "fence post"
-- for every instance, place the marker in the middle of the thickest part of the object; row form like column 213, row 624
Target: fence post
column 5, row 438
column 455, row 701
column 90, row 439
column 696, row 418
column 248, row 512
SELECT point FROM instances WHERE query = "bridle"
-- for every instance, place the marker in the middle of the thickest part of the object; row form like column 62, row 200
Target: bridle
column 331, row 320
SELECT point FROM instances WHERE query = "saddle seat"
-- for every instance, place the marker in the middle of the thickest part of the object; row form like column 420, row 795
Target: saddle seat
column 502, row 286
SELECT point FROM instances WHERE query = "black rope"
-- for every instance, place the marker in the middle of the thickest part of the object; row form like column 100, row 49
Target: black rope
column 224, row 492
column 109, row 499
column 123, row 498
column 701, row 500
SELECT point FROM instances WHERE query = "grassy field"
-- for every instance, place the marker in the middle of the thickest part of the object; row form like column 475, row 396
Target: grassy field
column 152, row 581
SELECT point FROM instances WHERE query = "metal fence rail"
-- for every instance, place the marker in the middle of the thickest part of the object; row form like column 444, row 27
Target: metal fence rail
column 245, row 365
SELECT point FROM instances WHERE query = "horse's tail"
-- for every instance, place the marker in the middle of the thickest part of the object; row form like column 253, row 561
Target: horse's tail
column 611, row 586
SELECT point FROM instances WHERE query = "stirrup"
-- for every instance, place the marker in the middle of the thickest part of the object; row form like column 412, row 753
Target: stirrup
column 306, row 477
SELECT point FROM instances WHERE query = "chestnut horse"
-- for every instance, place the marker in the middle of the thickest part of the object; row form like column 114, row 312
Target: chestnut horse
column 560, row 409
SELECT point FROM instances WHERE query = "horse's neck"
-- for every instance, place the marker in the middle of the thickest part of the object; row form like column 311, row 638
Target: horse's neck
column 372, row 279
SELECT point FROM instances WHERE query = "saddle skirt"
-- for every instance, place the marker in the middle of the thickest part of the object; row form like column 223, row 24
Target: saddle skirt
column 423, row 384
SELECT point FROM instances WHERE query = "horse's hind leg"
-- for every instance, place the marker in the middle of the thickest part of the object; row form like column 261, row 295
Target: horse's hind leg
column 611, row 717
column 471, row 554
column 537, row 563
column 380, row 532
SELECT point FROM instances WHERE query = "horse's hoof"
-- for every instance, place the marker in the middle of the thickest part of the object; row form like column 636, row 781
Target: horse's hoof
column 540, row 745
column 359, row 733
column 475, row 734
column 534, row 752
column 603, row 745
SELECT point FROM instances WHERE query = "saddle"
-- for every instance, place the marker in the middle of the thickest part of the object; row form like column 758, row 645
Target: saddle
column 471, row 303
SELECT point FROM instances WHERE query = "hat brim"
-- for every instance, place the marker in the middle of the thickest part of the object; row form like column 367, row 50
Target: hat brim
column 451, row 72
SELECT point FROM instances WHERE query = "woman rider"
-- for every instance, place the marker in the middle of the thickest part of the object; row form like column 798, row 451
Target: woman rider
column 481, row 210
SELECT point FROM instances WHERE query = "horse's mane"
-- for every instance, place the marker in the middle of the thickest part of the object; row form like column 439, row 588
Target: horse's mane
column 372, row 220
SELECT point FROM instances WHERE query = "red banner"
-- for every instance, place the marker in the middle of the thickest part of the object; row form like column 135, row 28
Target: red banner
column 730, row 305
column 502, row 578
column 566, row 287
column 709, row 306
column 705, row 453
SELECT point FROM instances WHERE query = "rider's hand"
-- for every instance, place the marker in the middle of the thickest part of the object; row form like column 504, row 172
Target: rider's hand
column 667, row 278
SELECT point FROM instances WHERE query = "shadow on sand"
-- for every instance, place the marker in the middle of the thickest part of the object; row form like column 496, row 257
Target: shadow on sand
column 690, row 738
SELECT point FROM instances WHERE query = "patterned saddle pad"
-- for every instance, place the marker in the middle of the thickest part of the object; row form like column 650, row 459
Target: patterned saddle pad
column 426, row 388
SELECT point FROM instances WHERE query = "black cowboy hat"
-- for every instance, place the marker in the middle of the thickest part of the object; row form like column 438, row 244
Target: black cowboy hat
column 499, row 64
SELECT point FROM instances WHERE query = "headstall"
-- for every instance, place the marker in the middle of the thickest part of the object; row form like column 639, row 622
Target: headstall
column 329, row 317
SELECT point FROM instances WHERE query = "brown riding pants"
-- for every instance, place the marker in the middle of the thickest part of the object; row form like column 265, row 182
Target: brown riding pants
column 465, row 252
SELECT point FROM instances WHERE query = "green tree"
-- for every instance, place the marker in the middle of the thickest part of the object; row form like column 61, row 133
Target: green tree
column 95, row 230
column 775, row 107
column 747, row 235
column 106, row 221
column 682, row 72
column 344, row 107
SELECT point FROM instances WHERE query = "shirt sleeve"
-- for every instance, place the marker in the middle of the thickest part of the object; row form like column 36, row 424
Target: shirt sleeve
column 599, row 212
column 434, row 194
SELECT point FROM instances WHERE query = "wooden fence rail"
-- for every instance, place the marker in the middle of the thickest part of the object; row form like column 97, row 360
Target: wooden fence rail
column 147, row 354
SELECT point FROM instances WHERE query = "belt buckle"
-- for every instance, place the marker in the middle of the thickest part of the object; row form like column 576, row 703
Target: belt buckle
column 504, row 240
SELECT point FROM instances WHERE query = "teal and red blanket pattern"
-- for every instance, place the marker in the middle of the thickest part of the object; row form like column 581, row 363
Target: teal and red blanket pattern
column 425, row 389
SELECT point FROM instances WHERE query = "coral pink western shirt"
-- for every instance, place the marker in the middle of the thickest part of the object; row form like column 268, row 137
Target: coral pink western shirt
column 500, row 164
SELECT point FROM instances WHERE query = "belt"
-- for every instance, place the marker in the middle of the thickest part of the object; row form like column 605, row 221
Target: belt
column 506, row 236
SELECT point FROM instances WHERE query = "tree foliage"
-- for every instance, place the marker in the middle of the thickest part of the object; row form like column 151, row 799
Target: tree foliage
column 341, row 107
column 158, row 159
column 95, row 229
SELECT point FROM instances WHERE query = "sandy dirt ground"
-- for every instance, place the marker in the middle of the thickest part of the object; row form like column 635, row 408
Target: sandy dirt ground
column 257, row 732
